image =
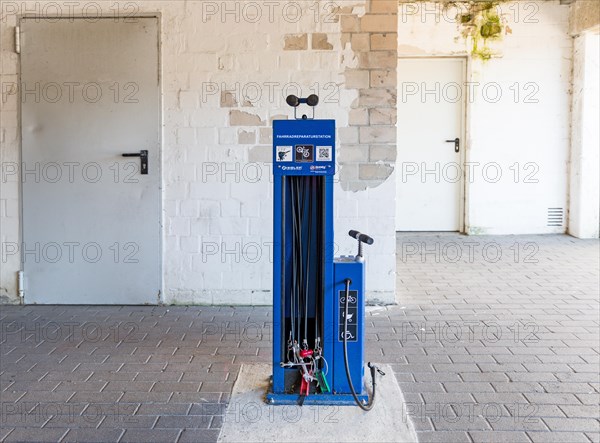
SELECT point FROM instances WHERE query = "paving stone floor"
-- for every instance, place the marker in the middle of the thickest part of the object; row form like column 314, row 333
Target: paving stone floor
column 494, row 339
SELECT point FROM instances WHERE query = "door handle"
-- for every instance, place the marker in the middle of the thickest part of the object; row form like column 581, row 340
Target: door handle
column 143, row 155
column 456, row 142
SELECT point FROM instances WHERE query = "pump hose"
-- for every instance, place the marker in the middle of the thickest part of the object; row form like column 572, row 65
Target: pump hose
column 373, row 368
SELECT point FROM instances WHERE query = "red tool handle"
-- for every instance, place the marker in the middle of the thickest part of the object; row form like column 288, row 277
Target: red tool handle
column 304, row 353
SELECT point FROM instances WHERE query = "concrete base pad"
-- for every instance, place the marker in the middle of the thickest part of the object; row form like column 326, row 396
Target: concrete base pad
column 249, row 418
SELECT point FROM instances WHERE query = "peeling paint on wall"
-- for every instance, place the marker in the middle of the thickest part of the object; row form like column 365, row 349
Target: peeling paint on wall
column 216, row 145
column 370, row 42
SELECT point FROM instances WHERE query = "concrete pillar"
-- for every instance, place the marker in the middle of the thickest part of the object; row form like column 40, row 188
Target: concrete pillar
column 584, row 205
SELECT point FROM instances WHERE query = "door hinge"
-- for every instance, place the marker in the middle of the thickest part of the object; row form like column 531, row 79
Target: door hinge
column 21, row 284
column 18, row 39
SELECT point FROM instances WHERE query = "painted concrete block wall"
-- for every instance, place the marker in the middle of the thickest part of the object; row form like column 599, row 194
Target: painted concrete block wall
column 518, row 120
column 226, row 69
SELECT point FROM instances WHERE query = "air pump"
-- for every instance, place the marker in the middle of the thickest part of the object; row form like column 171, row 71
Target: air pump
column 318, row 300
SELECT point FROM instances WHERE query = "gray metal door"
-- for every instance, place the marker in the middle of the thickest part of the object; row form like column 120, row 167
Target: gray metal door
column 91, row 217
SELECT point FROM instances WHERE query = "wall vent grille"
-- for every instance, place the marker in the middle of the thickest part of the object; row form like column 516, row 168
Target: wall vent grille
column 556, row 217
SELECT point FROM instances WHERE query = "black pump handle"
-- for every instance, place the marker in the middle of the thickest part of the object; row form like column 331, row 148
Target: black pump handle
column 361, row 237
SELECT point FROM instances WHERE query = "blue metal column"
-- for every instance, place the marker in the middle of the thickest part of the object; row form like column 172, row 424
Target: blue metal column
column 304, row 157
column 300, row 148
column 278, row 291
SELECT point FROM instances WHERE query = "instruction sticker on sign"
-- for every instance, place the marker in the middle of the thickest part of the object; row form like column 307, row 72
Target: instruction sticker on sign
column 324, row 153
column 284, row 154
column 350, row 317
column 305, row 153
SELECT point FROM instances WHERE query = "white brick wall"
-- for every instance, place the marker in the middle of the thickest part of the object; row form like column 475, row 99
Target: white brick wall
column 217, row 193
column 535, row 61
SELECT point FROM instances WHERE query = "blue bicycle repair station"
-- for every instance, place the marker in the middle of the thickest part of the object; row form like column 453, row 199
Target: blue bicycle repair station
column 318, row 300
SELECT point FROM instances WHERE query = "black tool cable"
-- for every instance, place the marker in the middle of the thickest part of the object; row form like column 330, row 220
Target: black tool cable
column 373, row 368
column 294, row 267
column 305, row 182
column 298, row 258
column 321, row 248
column 317, row 288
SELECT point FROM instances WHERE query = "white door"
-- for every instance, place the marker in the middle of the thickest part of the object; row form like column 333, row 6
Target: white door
column 91, row 217
column 429, row 170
